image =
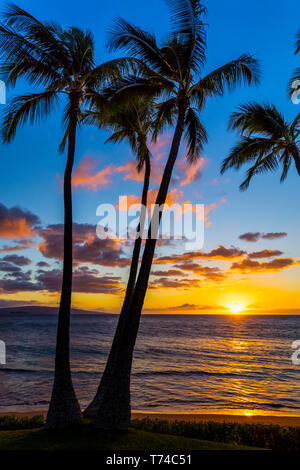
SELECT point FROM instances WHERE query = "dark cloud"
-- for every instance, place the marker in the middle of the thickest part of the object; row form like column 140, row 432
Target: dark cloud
column 253, row 237
column 19, row 283
column 264, row 254
column 43, row 264
column 274, row 235
column 17, row 260
column 247, row 265
column 170, row 272
column 250, row 237
column 165, row 282
column 84, row 280
column 17, row 223
column 220, row 253
column 87, row 247
column 209, row 273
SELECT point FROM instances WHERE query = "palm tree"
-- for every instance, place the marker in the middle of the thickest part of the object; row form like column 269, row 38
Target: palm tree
column 62, row 64
column 267, row 141
column 172, row 74
column 131, row 122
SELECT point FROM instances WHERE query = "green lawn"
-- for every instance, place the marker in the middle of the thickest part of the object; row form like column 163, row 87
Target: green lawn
column 88, row 439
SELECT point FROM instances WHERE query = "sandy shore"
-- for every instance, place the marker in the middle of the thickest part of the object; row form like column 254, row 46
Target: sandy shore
column 280, row 420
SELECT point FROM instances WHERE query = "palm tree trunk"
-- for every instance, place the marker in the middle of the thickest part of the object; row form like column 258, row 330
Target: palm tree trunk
column 92, row 410
column 114, row 407
column 296, row 156
column 64, row 409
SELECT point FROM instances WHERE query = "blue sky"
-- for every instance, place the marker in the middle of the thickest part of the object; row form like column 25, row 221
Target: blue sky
column 31, row 166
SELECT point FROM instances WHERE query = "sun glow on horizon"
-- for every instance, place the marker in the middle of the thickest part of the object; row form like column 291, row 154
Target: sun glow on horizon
column 236, row 308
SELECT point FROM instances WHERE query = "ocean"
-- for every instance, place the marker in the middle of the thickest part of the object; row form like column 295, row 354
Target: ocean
column 182, row 363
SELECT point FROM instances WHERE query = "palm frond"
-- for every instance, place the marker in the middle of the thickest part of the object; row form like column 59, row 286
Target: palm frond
column 245, row 69
column 195, row 135
column 262, row 165
column 286, row 161
column 186, row 23
column 245, row 151
column 165, row 115
column 130, row 87
column 112, row 70
column 31, row 36
column 138, row 43
column 254, row 118
column 34, row 107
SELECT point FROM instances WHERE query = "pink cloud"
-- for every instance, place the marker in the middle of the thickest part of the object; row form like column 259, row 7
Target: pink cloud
column 84, row 176
column 190, row 173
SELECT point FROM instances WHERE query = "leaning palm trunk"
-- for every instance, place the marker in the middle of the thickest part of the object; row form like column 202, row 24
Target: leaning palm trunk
column 296, row 156
column 93, row 409
column 114, row 401
column 64, row 408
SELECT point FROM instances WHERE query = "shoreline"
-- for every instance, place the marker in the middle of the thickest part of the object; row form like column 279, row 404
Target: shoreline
column 194, row 417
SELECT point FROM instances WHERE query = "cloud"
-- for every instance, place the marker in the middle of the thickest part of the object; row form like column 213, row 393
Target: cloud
column 187, row 173
column 87, row 247
column 253, row 237
column 85, row 280
column 174, row 196
column 209, row 273
column 7, row 267
column 264, row 254
column 169, row 272
column 17, row 223
column 278, row 264
column 220, row 253
column 161, row 147
column 20, row 282
column 84, row 176
column 43, row 264
column 166, row 283
column 17, row 260
column 274, row 235
column 210, row 208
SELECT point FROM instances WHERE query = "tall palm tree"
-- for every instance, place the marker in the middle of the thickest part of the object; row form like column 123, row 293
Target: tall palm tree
column 60, row 63
column 267, row 141
column 131, row 122
column 172, row 74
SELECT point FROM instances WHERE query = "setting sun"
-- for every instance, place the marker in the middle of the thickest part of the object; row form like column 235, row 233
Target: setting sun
column 236, row 308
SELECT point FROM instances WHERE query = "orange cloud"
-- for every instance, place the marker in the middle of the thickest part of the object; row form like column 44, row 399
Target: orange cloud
column 190, row 173
column 84, row 177
column 173, row 197
column 17, row 223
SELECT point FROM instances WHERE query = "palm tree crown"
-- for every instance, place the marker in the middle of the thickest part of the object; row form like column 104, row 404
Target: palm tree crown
column 60, row 62
column 131, row 122
column 172, row 72
column 267, row 141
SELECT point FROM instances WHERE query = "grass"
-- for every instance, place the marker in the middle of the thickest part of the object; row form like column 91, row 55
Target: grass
column 14, row 422
column 31, row 435
column 265, row 436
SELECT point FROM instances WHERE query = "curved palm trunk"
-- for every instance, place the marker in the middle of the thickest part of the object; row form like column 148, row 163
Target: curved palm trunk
column 114, row 404
column 64, row 409
column 93, row 409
